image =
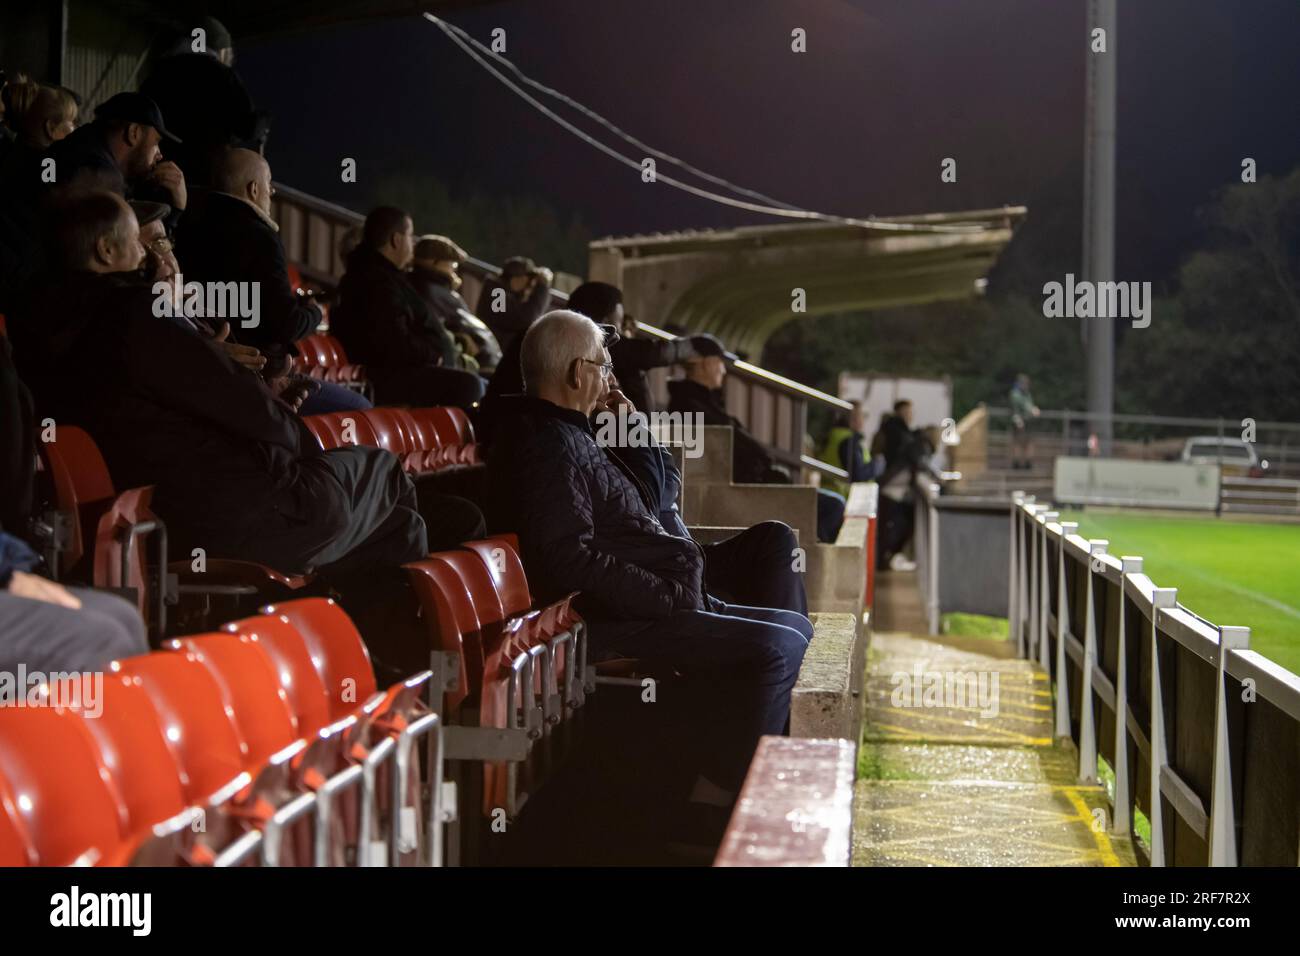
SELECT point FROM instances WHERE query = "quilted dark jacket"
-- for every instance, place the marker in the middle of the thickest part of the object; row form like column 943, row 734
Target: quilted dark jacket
column 585, row 522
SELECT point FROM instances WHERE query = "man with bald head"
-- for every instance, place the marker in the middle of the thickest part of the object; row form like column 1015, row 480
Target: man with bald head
column 587, row 523
column 228, row 235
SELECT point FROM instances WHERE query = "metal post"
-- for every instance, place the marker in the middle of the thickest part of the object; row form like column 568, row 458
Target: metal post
column 1223, row 817
column 1087, row 732
column 1121, row 819
column 1099, row 212
column 1013, row 597
column 1161, row 598
column 1062, row 635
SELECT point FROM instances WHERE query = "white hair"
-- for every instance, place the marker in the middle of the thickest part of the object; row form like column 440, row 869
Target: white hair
column 552, row 343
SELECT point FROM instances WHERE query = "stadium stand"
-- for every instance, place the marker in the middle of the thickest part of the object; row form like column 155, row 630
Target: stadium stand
column 266, row 728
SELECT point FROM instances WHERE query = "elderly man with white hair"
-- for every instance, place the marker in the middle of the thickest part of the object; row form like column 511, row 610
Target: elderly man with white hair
column 587, row 523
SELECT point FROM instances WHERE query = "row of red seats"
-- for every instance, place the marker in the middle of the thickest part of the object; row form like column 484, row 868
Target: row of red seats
column 321, row 356
column 85, row 494
column 520, row 668
column 426, row 439
column 268, row 741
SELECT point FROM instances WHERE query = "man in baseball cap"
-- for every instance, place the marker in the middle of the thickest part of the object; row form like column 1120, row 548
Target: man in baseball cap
column 121, row 152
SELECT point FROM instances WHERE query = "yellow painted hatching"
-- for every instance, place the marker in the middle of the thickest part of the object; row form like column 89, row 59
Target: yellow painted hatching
column 954, row 788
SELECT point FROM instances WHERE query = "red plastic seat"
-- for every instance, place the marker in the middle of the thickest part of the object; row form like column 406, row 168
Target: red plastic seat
column 134, row 750
column 198, row 729
column 308, row 700
column 83, row 488
column 119, row 546
column 62, row 798
column 450, row 621
column 15, row 847
column 464, row 431
column 502, row 562
column 342, row 429
column 250, row 689
column 392, row 430
column 445, row 448
column 336, row 649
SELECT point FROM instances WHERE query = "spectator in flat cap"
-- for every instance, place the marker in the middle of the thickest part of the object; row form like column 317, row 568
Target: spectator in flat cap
column 514, row 301
column 435, row 276
column 634, row 354
column 385, row 325
column 700, row 393
column 201, row 95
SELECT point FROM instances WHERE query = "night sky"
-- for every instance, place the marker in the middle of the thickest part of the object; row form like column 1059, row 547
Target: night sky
column 857, row 125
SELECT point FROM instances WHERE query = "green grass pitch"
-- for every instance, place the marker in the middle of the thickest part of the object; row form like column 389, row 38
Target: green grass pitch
column 1229, row 572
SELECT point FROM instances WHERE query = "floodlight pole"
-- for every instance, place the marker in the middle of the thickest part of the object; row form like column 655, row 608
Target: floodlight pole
column 1099, row 213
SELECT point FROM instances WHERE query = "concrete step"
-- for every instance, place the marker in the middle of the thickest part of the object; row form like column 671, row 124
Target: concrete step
column 827, row 699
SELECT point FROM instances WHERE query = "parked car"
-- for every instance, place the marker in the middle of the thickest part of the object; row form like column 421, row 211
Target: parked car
column 1237, row 457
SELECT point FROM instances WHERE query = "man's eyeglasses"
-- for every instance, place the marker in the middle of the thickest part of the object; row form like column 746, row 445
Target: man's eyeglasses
column 160, row 246
column 606, row 368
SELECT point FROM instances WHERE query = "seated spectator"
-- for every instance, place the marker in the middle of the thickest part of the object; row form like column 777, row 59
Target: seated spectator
column 160, row 266
column 700, row 393
column 633, row 354
column 754, row 567
column 203, row 98
column 384, row 324
column 845, row 448
column 585, row 524
column 43, row 626
column 38, row 116
column 121, row 152
column 48, row 628
column 435, row 275
column 229, row 236
column 236, row 473
column 515, row 300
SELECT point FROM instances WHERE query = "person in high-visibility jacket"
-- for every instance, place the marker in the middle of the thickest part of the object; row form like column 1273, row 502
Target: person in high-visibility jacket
column 846, row 448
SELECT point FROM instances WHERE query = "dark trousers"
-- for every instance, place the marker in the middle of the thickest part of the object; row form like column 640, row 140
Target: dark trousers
column 332, row 397
column 756, row 568
column 351, row 509
column 830, row 515
column 737, row 669
column 50, row 637
column 426, row 386
column 449, row 520
column 895, row 529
